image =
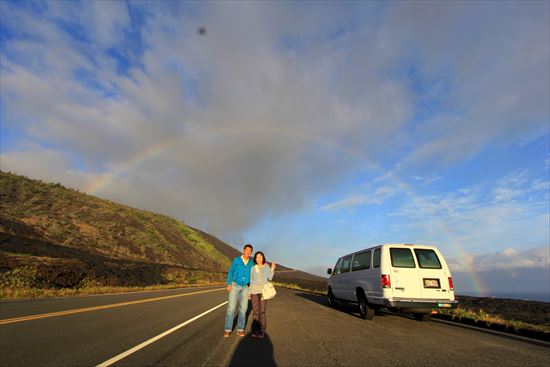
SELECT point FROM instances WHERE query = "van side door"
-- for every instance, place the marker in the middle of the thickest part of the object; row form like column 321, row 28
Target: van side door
column 361, row 274
column 334, row 280
column 346, row 280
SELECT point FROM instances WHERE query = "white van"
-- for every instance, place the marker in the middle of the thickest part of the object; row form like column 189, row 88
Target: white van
column 401, row 277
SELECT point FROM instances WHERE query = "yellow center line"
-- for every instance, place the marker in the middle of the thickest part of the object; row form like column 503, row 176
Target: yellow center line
column 95, row 308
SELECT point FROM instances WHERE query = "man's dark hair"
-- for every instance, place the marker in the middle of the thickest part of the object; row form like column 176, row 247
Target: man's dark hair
column 248, row 245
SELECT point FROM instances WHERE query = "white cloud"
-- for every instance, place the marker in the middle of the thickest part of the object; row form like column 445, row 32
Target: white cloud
column 47, row 164
column 500, row 94
column 508, row 213
column 518, row 185
column 509, row 258
column 426, row 180
column 375, row 197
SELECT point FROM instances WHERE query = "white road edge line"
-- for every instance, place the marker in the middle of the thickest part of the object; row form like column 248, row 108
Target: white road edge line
column 154, row 339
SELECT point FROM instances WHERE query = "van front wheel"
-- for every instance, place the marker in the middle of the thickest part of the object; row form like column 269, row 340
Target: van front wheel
column 365, row 311
column 330, row 299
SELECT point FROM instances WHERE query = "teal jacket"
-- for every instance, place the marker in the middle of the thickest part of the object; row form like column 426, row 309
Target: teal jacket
column 239, row 273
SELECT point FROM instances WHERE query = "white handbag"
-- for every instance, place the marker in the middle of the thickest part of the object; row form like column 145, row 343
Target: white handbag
column 268, row 292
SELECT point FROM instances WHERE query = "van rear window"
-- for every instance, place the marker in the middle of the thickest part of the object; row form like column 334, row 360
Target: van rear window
column 401, row 258
column 376, row 258
column 361, row 261
column 427, row 259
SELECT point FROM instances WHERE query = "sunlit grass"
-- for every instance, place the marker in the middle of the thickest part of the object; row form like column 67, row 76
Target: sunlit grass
column 495, row 319
column 30, row 293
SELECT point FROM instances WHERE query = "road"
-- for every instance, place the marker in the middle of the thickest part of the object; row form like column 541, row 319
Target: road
column 302, row 331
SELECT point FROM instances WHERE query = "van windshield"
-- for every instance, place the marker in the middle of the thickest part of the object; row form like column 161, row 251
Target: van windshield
column 401, row 258
column 427, row 259
column 337, row 267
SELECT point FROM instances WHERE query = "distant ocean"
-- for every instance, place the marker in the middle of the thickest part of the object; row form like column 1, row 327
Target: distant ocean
column 541, row 297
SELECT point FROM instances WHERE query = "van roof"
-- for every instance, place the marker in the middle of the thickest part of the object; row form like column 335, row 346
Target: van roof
column 391, row 244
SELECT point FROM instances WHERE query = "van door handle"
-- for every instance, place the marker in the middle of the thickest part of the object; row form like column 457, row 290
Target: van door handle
column 400, row 288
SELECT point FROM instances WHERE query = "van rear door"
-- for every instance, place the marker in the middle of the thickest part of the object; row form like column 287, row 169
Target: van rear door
column 435, row 283
column 404, row 277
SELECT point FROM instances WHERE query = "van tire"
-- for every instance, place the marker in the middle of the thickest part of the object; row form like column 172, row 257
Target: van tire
column 330, row 299
column 365, row 310
column 422, row 316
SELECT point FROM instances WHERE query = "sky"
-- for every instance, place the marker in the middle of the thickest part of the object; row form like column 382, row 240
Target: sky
column 308, row 129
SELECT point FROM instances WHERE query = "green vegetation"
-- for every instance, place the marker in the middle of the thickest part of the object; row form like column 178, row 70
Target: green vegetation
column 197, row 240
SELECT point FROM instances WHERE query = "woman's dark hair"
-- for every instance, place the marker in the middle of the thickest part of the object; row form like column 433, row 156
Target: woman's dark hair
column 259, row 253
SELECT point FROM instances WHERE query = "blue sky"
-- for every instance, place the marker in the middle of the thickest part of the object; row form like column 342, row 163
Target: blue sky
column 309, row 129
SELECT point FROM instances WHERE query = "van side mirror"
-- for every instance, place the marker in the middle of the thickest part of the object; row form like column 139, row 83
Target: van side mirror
column 329, row 271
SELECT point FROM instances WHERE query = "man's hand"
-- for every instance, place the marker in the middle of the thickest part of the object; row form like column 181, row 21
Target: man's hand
column 273, row 266
column 229, row 288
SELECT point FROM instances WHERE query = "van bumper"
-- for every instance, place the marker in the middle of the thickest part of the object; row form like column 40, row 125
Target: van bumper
column 413, row 304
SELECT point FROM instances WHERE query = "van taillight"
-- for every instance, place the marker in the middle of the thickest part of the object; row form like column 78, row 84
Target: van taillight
column 386, row 281
column 451, row 284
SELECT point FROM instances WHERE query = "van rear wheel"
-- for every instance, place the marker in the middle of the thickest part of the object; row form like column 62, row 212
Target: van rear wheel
column 422, row 316
column 365, row 311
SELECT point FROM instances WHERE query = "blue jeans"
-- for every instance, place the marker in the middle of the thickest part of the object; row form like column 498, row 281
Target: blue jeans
column 238, row 295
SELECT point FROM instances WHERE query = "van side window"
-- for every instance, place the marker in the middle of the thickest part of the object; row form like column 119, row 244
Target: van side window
column 337, row 267
column 346, row 263
column 401, row 258
column 427, row 259
column 376, row 258
column 361, row 261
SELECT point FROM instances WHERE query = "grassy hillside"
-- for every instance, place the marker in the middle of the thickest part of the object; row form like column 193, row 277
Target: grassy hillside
column 52, row 237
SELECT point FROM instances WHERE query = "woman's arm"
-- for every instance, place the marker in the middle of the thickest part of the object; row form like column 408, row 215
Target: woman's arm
column 270, row 273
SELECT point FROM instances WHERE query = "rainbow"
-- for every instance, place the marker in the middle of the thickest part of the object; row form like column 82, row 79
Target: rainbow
column 104, row 180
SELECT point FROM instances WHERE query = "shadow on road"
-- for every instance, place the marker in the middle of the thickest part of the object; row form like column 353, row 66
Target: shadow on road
column 317, row 298
column 349, row 308
column 254, row 352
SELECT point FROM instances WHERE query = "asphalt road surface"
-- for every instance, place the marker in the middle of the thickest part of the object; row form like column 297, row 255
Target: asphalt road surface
column 184, row 327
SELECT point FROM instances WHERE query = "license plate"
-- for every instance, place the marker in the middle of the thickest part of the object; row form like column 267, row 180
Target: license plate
column 443, row 305
column 431, row 283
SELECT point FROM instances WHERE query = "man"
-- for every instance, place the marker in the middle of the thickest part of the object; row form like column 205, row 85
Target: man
column 238, row 279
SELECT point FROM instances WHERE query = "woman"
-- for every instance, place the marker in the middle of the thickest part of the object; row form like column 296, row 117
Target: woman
column 260, row 274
